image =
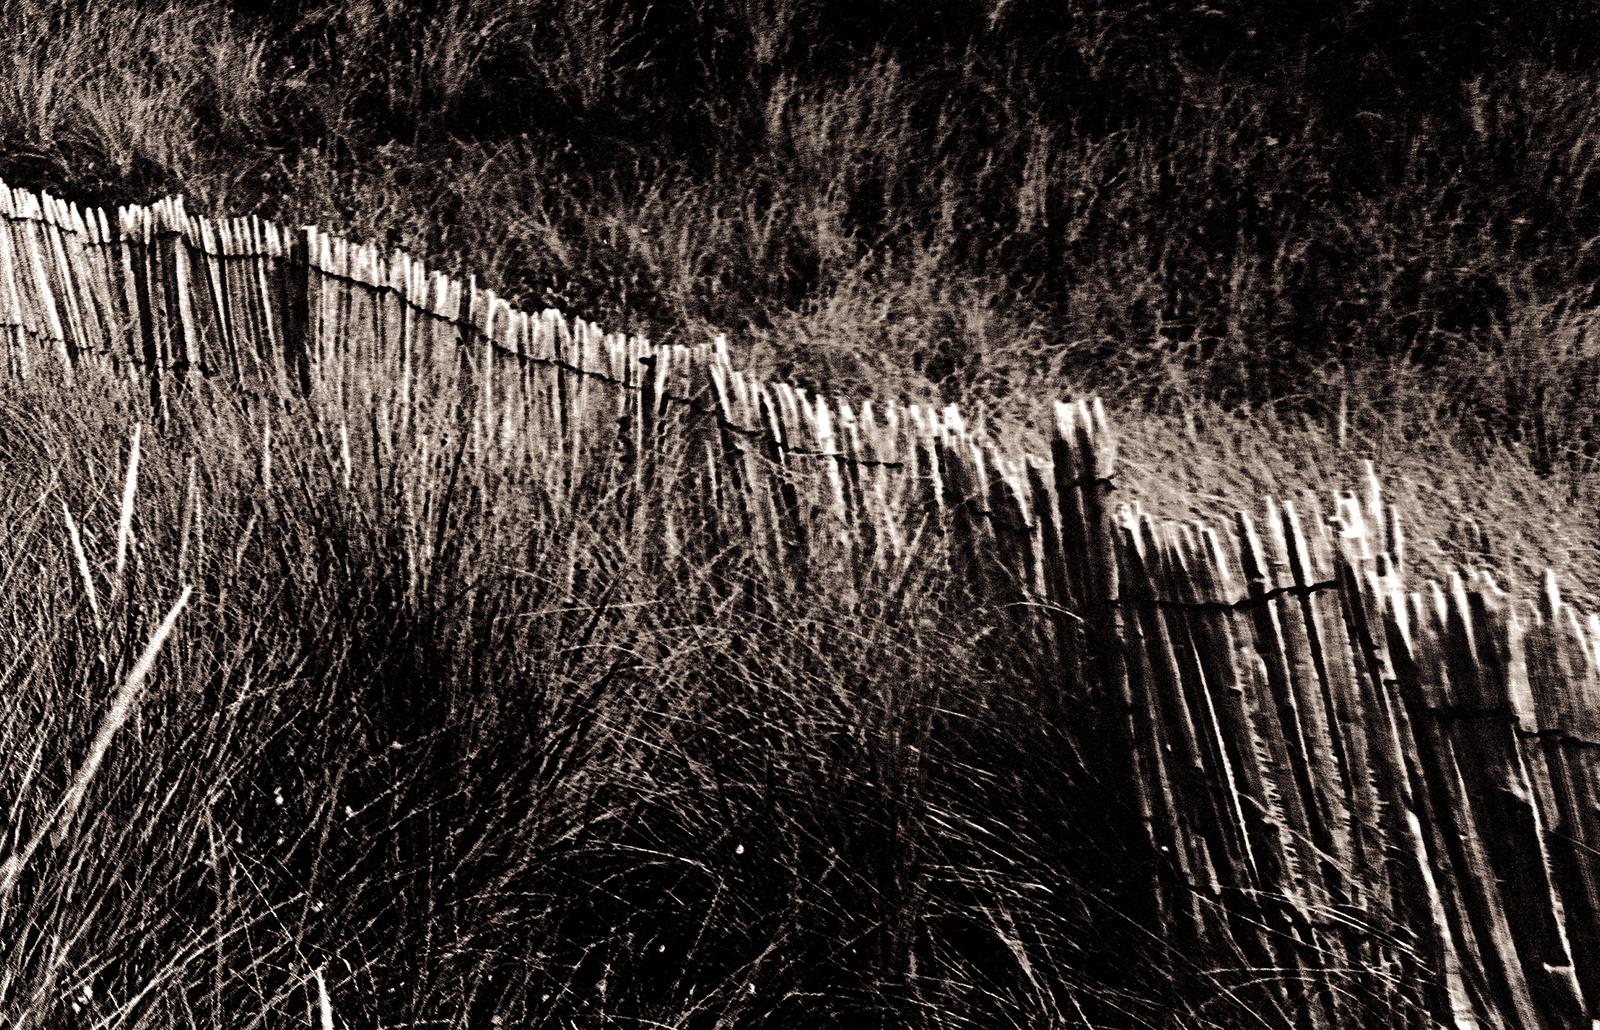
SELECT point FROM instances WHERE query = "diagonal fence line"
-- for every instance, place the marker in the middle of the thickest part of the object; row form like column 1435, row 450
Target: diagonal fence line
column 1418, row 758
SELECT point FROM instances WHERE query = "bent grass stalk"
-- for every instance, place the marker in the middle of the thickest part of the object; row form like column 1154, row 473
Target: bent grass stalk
column 324, row 1005
column 121, row 707
column 83, row 562
column 125, row 518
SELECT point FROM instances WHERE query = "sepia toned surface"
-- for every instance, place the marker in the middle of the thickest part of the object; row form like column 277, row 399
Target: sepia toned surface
column 1352, row 795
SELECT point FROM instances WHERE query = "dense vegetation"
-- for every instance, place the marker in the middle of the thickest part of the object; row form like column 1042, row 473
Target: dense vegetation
column 428, row 748
column 1242, row 202
column 550, row 784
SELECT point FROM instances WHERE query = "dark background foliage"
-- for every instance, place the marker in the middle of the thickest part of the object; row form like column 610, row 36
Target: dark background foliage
column 1234, row 201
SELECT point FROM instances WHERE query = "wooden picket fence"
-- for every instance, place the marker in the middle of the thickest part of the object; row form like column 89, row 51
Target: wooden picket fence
column 1365, row 801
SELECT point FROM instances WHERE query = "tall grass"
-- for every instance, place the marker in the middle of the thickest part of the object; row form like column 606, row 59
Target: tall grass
column 979, row 199
column 428, row 742
column 425, row 743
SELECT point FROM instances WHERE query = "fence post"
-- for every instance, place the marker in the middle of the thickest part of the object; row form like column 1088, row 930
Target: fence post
column 136, row 266
column 299, row 277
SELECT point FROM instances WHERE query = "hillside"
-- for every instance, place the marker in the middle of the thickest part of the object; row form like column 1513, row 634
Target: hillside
column 1240, row 206
column 342, row 708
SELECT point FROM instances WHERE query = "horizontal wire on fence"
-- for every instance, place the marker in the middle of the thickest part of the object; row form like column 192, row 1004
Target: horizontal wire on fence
column 1458, row 711
column 1242, row 604
column 16, row 219
column 1560, row 737
column 1108, row 480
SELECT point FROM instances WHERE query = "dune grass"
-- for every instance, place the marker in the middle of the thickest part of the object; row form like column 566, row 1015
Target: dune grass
column 424, row 744
column 432, row 747
column 980, row 199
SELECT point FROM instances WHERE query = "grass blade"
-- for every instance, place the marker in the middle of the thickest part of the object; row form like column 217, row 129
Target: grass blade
column 125, row 518
column 110, row 723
